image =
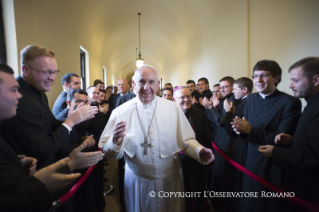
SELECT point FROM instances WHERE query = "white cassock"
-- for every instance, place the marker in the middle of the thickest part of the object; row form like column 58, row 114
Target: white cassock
column 159, row 170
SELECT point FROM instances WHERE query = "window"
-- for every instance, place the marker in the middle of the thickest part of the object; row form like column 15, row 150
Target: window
column 104, row 76
column 3, row 54
column 84, row 66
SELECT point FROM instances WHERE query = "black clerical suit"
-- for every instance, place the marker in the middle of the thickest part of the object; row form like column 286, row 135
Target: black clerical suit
column 207, row 93
column 197, row 95
column 302, row 159
column 112, row 102
column 18, row 192
column 89, row 196
column 277, row 113
column 34, row 131
column 60, row 110
column 225, row 177
column 194, row 173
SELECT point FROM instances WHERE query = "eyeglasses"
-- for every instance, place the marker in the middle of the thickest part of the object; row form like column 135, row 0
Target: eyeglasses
column 184, row 97
column 45, row 72
column 224, row 87
column 217, row 91
column 260, row 75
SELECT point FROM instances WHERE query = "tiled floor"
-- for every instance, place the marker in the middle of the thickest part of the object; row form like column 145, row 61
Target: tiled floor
column 112, row 201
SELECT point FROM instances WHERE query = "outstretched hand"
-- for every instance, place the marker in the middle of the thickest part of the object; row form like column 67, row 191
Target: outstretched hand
column 80, row 160
column 206, row 155
column 80, row 114
column 55, row 181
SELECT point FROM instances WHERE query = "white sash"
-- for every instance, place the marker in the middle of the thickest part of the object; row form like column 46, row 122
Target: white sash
column 154, row 171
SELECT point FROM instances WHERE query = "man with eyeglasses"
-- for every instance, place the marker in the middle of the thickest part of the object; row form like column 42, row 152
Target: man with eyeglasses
column 267, row 113
column 216, row 90
column 222, row 175
column 69, row 81
column 225, row 176
column 34, row 129
column 194, row 173
column 302, row 158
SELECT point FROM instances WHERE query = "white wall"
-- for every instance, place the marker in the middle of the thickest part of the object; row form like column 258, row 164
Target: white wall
column 182, row 39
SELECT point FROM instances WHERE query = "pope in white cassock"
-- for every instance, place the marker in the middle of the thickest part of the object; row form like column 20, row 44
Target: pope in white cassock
column 149, row 132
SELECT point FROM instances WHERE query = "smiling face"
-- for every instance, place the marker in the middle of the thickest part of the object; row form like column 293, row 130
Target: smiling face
column 183, row 98
column 264, row 82
column 74, row 83
column 216, row 91
column 101, row 96
column 35, row 78
column 225, row 88
column 167, row 95
column 146, row 84
column 80, row 98
column 93, row 94
column 202, row 86
column 9, row 96
column 122, row 86
column 191, row 87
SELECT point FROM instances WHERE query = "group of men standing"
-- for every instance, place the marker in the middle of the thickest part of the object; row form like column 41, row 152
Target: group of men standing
column 264, row 132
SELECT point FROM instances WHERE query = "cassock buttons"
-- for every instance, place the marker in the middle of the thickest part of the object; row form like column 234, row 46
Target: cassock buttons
column 153, row 152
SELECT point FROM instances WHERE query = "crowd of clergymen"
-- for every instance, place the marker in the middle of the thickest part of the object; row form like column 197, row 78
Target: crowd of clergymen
column 262, row 131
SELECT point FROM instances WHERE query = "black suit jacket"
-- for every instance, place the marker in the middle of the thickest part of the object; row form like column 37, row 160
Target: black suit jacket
column 60, row 110
column 302, row 158
column 34, row 131
column 18, row 192
column 112, row 102
column 125, row 98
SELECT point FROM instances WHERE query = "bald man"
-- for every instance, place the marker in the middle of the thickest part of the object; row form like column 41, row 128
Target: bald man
column 123, row 88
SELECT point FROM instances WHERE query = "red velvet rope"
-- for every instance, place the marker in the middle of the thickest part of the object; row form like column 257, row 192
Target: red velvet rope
column 77, row 185
column 295, row 200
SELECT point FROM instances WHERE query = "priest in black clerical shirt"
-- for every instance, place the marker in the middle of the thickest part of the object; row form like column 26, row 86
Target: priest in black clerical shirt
column 301, row 158
column 194, row 173
column 190, row 84
column 266, row 114
column 69, row 81
column 224, row 176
